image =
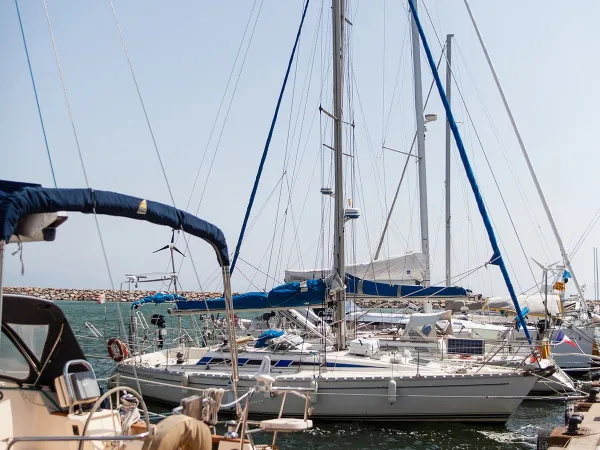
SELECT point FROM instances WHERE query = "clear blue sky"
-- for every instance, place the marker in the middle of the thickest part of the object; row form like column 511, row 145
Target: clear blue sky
column 183, row 54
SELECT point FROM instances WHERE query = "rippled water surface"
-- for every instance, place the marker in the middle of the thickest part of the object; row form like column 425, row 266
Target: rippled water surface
column 519, row 432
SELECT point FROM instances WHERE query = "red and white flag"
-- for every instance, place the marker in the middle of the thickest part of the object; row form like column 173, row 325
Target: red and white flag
column 561, row 338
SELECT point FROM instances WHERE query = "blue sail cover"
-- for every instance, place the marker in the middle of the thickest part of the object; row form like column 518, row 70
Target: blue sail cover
column 159, row 297
column 286, row 296
column 355, row 285
column 291, row 295
column 17, row 202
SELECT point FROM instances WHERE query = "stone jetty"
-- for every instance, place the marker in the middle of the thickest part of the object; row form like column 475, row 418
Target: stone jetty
column 115, row 296
column 93, row 294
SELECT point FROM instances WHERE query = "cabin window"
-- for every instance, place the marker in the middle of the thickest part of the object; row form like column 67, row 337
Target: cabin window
column 14, row 364
column 33, row 336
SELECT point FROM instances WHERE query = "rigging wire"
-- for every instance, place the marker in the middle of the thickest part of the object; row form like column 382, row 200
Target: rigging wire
column 267, row 144
column 143, row 105
column 186, row 251
column 289, row 145
column 68, row 103
column 298, row 163
column 228, row 111
column 256, row 268
column 403, row 172
column 104, row 253
column 295, row 170
column 35, row 93
column 585, row 234
column 470, row 228
column 214, row 125
column 487, row 161
column 137, row 87
column 398, row 88
column 535, row 223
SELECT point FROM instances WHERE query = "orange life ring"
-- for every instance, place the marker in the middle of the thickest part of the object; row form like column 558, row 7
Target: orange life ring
column 117, row 349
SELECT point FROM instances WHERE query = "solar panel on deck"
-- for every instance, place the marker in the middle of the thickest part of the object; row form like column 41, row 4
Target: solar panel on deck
column 466, row 346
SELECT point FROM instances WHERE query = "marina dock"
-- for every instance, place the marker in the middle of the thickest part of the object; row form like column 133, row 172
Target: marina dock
column 582, row 426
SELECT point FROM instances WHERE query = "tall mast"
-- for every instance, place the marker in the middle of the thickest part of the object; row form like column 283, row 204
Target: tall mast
column 595, row 280
column 496, row 258
column 421, row 149
column 563, row 252
column 337, row 11
column 448, row 165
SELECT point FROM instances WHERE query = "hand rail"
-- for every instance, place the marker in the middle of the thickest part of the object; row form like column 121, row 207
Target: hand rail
column 132, row 437
column 69, row 384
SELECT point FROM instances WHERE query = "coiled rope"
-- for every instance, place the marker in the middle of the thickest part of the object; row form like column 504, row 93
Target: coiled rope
column 211, row 405
column 130, row 413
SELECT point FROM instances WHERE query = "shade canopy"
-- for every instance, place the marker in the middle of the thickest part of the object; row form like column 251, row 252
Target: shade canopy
column 39, row 329
column 17, row 202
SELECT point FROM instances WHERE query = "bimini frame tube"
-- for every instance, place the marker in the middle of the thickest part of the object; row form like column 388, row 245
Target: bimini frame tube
column 497, row 256
column 232, row 337
column 2, row 246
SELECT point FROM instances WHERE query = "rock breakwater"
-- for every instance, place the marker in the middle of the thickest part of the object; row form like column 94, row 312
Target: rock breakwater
column 130, row 296
column 94, row 294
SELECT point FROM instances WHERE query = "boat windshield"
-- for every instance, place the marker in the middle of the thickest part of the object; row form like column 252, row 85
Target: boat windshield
column 33, row 336
column 14, row 365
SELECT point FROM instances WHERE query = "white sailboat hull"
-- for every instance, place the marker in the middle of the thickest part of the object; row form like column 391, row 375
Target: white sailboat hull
column 354, row 394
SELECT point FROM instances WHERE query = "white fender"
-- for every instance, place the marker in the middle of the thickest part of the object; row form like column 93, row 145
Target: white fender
column 392, row 391
column 184, row 382
column 314, row 385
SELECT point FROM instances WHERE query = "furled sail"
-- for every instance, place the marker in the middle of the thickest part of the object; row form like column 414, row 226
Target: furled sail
column 402, row 269
column 534, row 304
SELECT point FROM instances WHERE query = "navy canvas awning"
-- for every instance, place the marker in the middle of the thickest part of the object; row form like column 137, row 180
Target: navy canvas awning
column 32, row 200
column 159, row 297
column 286, row 296
column 355, row 285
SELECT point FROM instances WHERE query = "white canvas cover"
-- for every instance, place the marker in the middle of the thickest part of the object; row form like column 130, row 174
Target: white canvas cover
column 418, row 320
column 403, row 269
column 535, row 303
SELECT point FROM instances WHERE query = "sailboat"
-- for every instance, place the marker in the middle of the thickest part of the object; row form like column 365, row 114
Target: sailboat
column 347, row 380
column 50, row 395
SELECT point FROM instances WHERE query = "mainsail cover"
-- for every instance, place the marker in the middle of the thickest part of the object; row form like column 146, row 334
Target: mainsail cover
column 286, row 296
column 362, row 287
column 403, row 269
column 159, row 297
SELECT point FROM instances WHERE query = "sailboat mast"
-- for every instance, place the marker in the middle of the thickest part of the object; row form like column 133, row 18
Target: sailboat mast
column 337, row 12
column 448, row 160
column 416, row 55
column 596, row 280
column 496, row 258
column 173, row 270
column 563, row 252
